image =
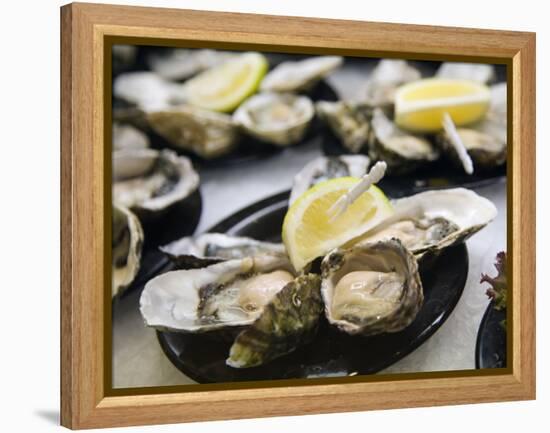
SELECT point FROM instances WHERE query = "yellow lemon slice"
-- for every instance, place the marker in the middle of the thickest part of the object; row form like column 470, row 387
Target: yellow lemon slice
column 420, row 105
column 308, row 231
column 224, row 87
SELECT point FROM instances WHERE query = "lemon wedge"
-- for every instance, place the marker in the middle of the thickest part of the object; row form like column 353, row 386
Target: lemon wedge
column 421, row 105
column 308, row 231
column 224, row 87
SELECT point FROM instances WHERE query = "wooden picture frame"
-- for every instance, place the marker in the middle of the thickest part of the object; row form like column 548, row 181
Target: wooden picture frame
column 87, row 30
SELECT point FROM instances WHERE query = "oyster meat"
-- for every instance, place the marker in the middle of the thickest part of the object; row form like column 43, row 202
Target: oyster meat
column 324, row 168
column 210, row 248
column 206, row 133
column 179, row 64
column 485, row 141
column 479, row 72
column 350, row 122
column 280, row 119
column 385, row 78
column 128, row 137
column 371, row 288
column 433, row 220
column 127, row 242
column 227, row 294
column 402, row 151
column 296, row 76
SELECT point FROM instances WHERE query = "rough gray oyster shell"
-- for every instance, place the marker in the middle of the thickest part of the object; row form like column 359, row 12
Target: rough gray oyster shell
column 349, row 121
column 289, row 321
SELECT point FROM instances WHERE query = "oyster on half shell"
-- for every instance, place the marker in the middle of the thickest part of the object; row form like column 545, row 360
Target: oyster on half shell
column 485, row 141
column 349, row 121
column 371, row 288
column 224, row 295
column 385, row 78
column 127, row 242
column 278, row 118
column 430, row 221
column 210, row 248
column 295, row 76
column 206, row 133
column 159, row 187
column 402, row 151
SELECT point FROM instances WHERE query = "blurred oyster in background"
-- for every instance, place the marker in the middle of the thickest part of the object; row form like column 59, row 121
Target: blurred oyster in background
column 280, row 119
column 147, row 90
column 485, row 141
column 161, row 188
column 210, row 248
column 179, row 64
column 128, row 137
column 349, row 121
column 324, row 168
column 127, row 242
column 385, row 78
column 479, row 72
column 402, row 151
column 295, row 76
column 206, row 133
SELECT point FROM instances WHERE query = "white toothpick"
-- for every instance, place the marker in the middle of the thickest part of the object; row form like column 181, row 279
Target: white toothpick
column 373, row 176
column 456, row 141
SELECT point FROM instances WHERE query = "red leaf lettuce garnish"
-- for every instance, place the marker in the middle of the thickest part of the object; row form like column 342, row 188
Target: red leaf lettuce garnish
column 499, row 285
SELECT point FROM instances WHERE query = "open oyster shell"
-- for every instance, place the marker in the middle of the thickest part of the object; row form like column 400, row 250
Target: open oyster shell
column 371, row 288
column 224, row 295
column 280, row 119
column 290, row 321
column 385, row 78
column 485, row 141
column 146, row 90
column 402, row 151
column 128, row 137
column 206, row 133
column 349, row 121
column 179, row 64
column 159, row 187
column 430, row 221
column 210, row 248
column 295, row 76
column 127, row 242
column 324, row 168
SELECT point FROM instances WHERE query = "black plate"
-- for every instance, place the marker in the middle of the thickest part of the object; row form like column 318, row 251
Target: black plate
column 491, row 339
column 437, row 175
column 332, row 353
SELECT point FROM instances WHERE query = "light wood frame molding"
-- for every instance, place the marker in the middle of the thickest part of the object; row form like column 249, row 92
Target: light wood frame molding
column 85, row 402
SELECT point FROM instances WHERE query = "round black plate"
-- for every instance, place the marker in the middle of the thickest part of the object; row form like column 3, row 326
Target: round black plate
column 491, row 339
column 331, row 353
column 440, row 174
